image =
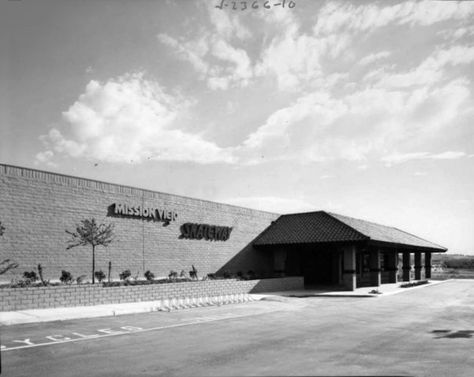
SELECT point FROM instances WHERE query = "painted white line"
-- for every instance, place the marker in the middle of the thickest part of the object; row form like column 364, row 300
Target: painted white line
column 129, row 330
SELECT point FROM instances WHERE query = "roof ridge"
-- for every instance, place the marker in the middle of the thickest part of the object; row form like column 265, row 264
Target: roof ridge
column 366, row 221
column 301, row 213
column 346, row 225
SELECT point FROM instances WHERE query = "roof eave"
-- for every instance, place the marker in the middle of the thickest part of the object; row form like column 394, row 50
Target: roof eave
column 408, row 247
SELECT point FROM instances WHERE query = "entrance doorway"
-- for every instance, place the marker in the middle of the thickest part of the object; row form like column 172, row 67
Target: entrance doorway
column 321, row 267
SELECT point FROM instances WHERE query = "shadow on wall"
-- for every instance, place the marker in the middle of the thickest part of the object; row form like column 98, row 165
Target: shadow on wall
column 292, row 283
column 249, row 259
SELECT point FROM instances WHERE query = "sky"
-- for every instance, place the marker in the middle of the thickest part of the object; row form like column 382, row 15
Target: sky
column 361, row 108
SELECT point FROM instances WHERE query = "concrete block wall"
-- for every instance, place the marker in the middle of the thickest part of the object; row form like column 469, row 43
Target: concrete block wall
column 37, row 207
column 84, row 295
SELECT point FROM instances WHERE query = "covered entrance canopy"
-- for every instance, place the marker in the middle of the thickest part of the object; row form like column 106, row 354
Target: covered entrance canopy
column 327, row 248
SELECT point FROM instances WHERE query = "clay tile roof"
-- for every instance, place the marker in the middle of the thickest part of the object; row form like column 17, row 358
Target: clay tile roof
column 321, row 226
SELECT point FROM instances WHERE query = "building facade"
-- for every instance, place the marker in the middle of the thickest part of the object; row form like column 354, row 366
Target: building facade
column 163, row 232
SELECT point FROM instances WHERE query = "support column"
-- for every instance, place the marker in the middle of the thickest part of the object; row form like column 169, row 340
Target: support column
column 375, row 271
column 406, row 266
column 428, row 265
column 349, row 272
column 418, row 266
column 392, row 267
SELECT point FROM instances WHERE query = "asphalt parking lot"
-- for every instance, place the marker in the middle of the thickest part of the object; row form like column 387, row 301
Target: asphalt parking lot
column 423, row 332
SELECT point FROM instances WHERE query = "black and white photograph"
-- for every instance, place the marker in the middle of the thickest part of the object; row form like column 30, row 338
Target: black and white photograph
column 236, row 188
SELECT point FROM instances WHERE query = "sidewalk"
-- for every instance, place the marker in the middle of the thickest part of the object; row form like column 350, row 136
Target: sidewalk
column 62, row 314
column 385, row 290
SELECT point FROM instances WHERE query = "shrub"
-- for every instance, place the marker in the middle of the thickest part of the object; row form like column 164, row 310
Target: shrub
column 182, row 274
column 22, row 283
column 414, row 284
column 99, row 275
column 172, row 275
column 66, row 277
column 125, row 275
column 80, row 279
column 211, row 276
column 31, row 276
column 149, row 275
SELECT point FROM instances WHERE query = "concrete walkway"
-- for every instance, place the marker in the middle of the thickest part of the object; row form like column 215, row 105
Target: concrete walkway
column 62, row 314
column 384, row 290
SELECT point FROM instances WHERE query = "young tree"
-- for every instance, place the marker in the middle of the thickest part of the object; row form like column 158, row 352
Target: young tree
column 93, row 234
column 2, row 229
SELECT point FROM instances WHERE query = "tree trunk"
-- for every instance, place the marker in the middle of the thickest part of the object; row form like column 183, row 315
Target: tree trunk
column 93, row 264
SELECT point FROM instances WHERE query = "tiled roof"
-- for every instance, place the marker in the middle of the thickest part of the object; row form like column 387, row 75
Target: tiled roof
column 321, row 226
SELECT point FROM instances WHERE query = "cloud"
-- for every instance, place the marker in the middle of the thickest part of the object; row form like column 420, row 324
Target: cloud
column 129, row 119
column 295, row 58
column 401, row 158
column 370, row 122
column 369, row 59
column 429, row 72
column 335, row 17
column 211, row 53
column 457, row 33
column 271, row 204
column 45, row 158
column 193, row 52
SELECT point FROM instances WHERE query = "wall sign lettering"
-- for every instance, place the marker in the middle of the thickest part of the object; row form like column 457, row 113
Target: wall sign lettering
column 205, row 231
column 142, row 212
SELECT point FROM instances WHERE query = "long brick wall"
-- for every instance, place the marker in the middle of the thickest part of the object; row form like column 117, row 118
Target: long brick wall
column 37, row 207
column 83, row 295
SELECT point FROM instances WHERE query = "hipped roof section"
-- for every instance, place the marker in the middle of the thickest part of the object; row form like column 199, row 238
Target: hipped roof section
column 327, row 227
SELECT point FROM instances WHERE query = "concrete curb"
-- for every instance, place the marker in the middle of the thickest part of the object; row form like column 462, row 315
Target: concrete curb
column 78, row 312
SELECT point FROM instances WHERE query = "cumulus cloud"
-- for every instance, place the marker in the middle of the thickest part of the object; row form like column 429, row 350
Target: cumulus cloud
column 129, row 119
column 45, row 158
